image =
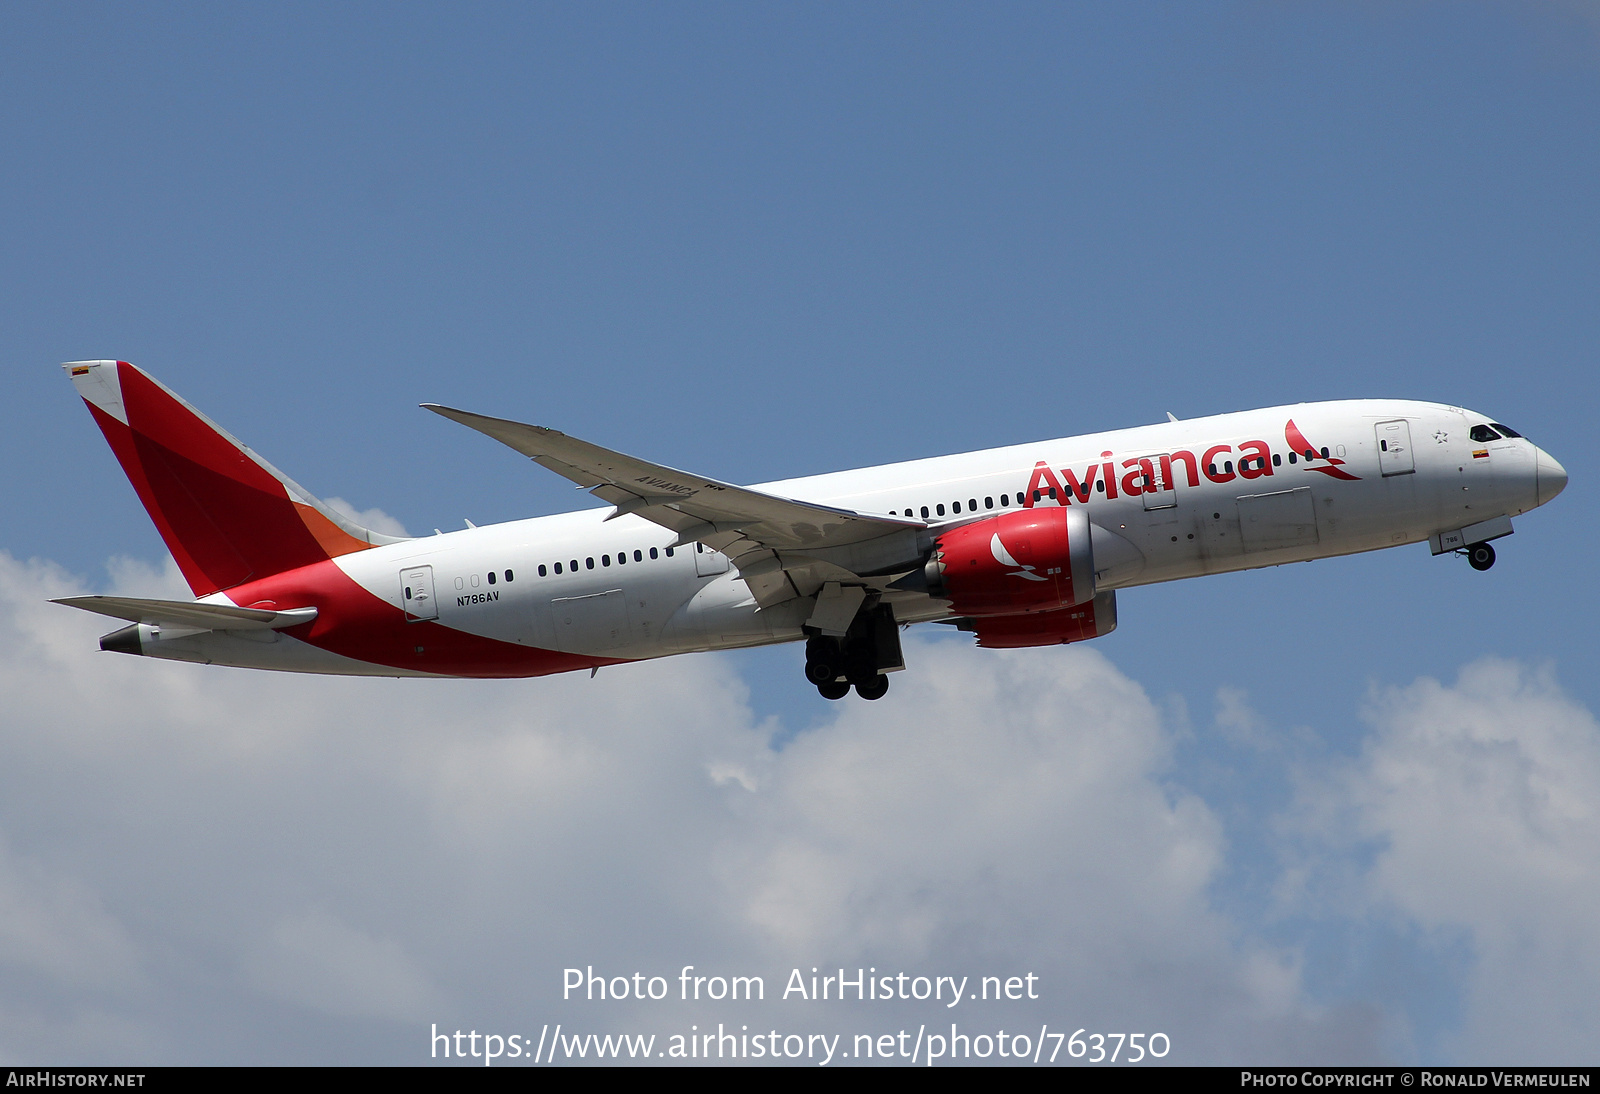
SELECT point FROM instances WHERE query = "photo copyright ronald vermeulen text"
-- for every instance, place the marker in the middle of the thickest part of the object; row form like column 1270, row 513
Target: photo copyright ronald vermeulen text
column 938, row 1041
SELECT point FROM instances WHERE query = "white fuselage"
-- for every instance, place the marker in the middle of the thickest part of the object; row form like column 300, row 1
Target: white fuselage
column 620, row 596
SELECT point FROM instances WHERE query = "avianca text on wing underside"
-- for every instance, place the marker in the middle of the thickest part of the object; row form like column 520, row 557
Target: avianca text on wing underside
column 1153, row 474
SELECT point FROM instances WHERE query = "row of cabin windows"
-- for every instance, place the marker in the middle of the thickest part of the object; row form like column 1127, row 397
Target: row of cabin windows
column 605, row 560
column 972, row 504
column 491, row 577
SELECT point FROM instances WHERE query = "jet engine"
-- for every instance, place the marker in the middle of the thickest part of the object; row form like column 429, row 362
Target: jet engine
column 1028, row 560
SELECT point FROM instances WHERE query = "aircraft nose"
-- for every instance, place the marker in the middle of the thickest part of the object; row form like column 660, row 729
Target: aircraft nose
column 1551, row 476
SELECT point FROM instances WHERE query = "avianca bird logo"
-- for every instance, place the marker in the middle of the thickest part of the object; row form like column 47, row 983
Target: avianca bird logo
column 1003, row 557
column 1297, row 442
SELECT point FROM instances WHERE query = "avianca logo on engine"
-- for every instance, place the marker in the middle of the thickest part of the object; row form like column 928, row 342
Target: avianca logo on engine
column 1003, row 557
column 1141, row 473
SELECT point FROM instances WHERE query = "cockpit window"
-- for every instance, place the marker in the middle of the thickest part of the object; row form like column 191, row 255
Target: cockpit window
column 1505, row 430
column 1481, row 433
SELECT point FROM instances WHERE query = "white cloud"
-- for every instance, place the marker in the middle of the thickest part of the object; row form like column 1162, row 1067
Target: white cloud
column 1483, row 801
column 318, row 961
column 375, row 519
column 351, row 860
column 55, row 926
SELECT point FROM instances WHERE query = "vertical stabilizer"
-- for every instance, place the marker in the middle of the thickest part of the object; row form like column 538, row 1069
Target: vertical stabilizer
column 226, row 514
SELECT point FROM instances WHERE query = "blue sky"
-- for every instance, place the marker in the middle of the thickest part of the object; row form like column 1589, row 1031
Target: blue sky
column 763, row 241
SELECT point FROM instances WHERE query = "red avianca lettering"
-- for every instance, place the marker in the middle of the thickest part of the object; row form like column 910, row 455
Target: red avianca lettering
column 1154, row 474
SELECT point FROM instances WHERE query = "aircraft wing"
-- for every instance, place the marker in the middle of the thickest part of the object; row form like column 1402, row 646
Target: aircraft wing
column 182, row 613
column 783, row 548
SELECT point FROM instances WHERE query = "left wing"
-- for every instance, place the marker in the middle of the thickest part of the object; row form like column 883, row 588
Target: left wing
column 782, row 547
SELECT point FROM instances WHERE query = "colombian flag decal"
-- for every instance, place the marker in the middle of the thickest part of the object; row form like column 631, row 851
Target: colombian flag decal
column 1480, row 453
column 82, row 370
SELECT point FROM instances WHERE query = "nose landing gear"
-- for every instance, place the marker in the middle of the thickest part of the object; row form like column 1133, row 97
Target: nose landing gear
column 1480, row 556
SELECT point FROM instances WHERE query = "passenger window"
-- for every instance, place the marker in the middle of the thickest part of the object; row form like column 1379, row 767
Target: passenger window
column 1005, row 499
column 638, row 556
column 589, row 563
column 508, row 575
column 491, row 577
column 1293, row 458
column 988, row 503
column 574, row 565
column 652, row 552
column 972, row 504
column 1101, row 486
column 1277, row 460
column 1481, row 433
column 940, row 508
column 558, row 567
column 955, row 507
column 1324, row 451
column 1505, row 430
column 622, row 558
column 1227, row 467
column 669, row 552
column 1019, row 497
column 544, row 572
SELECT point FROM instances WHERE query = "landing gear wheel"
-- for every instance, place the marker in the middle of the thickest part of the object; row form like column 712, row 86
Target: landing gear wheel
column 822, row 672
column 874, row 687
column 1480, row 556
column 834, row 689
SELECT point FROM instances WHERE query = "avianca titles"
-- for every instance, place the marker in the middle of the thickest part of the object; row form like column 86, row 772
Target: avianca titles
column 1021, row 546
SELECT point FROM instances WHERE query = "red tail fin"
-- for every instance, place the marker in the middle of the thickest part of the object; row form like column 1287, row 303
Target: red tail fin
column 226, row 515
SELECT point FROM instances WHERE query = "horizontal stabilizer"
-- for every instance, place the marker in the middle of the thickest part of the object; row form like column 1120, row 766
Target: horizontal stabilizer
column 179, row 613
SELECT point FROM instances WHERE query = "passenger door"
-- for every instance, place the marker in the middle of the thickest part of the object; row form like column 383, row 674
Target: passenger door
column 1394, row 448
column 416, row 594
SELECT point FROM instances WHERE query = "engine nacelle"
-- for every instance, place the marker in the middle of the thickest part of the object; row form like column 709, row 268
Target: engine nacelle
column 1075, row 624
column 1028, row 560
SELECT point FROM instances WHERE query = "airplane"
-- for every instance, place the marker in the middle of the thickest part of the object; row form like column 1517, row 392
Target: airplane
column 1021, row 546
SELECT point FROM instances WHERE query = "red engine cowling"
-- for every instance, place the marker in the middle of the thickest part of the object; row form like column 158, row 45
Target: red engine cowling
column 1028, row 560
column 1075, row 624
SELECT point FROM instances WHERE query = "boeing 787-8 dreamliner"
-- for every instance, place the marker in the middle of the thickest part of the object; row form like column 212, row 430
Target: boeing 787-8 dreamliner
column 1022, row 546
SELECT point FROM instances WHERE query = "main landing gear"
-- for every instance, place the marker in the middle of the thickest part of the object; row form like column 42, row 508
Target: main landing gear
column 857, row 659
column 1480, row 556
